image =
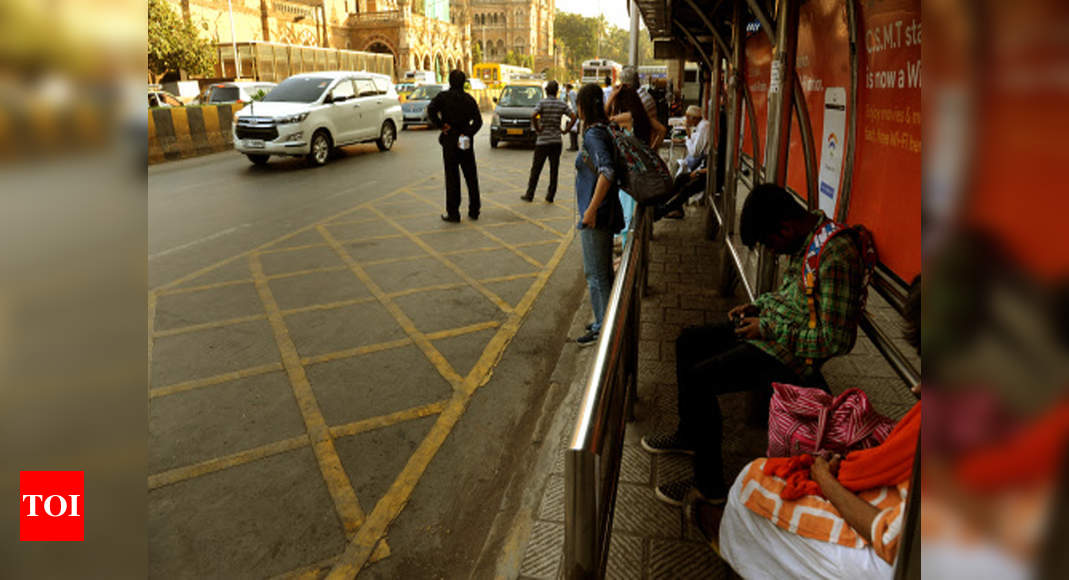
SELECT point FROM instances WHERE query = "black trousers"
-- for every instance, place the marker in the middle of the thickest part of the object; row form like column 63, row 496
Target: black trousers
column 683, row 188
column 711, row 361
column 541, row 153
column 574, row 140
column 455, row 161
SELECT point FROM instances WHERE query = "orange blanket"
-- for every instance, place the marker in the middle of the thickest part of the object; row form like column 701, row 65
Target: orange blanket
column 887, row 464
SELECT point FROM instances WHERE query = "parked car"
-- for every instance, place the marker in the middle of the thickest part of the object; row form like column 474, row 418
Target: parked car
column 415, row 108
column 238, row 92
column 161, row 98
column 513, row 112
column 311, row 114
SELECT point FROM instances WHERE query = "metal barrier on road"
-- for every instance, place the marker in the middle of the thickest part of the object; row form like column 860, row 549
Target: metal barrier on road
column 592, row 464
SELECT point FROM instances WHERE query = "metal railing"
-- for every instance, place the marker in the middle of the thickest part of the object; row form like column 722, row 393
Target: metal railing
column 592, row 464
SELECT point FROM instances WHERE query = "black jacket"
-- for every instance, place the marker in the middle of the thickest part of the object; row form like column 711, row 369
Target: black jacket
column 459, row 110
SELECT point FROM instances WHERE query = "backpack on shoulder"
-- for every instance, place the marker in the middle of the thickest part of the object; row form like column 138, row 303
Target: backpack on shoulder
column 642, row 173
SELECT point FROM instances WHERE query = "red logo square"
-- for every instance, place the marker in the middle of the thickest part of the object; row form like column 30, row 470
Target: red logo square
column 51, row 506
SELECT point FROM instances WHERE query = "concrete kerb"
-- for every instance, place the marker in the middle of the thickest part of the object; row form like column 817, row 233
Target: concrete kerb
column 511, row 530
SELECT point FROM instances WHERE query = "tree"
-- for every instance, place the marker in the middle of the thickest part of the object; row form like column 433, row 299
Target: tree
column 476, row 53
column 174, row 44
column 587, row 37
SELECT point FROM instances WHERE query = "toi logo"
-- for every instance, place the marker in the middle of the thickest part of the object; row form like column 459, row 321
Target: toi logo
column 51, row 505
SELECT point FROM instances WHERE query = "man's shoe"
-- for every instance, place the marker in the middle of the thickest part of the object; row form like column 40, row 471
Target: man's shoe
column 588, row 339
column 666, row 443
column 705, row 515
column 549, row 198
column 527, row 197
column 451, row 219
column 673, row 492
column 473, row 217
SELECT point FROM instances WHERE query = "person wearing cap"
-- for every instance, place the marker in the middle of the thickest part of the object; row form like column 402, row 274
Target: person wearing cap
column 697, row 139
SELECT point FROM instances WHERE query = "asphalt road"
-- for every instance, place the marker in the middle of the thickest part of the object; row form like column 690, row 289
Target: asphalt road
column 338, row 378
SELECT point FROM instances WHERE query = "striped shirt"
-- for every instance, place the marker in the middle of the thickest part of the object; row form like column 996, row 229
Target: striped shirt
column 550, row 110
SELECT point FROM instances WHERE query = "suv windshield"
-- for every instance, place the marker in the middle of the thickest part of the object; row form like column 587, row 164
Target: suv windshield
column 298, row 90
column 425, row 93
column 224, row 95
column 520, row 96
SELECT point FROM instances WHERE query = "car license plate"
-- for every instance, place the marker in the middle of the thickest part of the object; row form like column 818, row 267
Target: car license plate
column 514, row 131
column 254, row 143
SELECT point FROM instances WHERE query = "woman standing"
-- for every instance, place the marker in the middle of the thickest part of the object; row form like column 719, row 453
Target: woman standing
column 598, row 201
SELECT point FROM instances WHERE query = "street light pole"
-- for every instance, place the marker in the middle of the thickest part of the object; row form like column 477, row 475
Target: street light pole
column 233, row 40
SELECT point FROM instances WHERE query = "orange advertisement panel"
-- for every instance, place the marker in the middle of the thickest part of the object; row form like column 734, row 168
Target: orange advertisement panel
column 886, row 193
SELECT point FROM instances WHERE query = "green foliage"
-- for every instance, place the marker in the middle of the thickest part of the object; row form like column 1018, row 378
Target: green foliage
column 476, row 53
column 588, row 37
column 174, row 44
column 516, row 59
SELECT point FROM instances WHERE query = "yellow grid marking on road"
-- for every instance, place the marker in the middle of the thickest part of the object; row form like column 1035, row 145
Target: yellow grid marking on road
column 525, row 217
column 267, row 245
column 337, row 480
column 176, row 475
column 432, row 354
column 536, row 243
column 433, row 288
column 510, row 277
column 364, row 425
column 214, row 380
column 190, row 289
column 360, row 549
column 355, row 351
column 305, row 272
column 494, row 298
column 328, row 305
column 208, row 325
column 451, row 332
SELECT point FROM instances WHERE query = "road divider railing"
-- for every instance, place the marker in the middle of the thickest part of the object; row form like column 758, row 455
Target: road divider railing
column 592, row 465
column 181, row 132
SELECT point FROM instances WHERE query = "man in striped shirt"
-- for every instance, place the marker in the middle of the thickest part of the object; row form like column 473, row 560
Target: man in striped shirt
column 546, row 123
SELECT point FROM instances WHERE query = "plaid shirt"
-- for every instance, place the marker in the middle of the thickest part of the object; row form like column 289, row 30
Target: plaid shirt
column 784, row 314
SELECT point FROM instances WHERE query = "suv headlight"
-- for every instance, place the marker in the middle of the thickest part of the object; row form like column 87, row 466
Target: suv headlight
column 291, row 119
column 496, row 121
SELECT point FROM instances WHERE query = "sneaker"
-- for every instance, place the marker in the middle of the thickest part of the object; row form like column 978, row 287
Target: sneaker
column 673, row 492
column 450, row 219
column 527, row 197
column 587, row 339
column 666, row 443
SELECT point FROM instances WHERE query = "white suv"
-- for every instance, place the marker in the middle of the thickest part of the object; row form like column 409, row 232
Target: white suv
column 312, row 113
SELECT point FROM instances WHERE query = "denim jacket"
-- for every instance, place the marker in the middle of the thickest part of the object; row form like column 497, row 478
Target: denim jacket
column 596, row 158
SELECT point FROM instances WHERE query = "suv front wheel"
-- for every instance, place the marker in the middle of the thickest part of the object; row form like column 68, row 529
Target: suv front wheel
column 319, row 153
column 387, row 136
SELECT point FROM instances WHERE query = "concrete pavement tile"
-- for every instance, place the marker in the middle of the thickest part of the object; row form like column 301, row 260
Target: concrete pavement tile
column 317, row 288
column 214, row 304
column 269, row 516
column 296, row 260
column 324, row 331
column 672, row 467
column 678, row 560
column 445, row 309
column 194, row 426
column 542, row 559
column 410, row 274
column 364, row 251
column 211, row 352
column 464, row 351
column 501, row 262
column 639, row 512
column 375, row 384
column 635, row 465
column 374, row 459
column 552, row 507
column 626, row 555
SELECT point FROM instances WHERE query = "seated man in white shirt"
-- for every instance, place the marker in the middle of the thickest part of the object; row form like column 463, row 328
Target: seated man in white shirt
column 697, row 140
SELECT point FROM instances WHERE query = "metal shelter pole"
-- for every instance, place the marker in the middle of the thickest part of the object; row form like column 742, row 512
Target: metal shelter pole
column 778, row 129
column 713, row 144
column 632, row 51
column 731, row 162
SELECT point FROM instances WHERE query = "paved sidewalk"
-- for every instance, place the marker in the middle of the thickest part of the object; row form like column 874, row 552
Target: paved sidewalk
column 651, row 540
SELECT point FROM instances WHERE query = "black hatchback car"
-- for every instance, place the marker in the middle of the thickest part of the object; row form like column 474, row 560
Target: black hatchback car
column 512, row 115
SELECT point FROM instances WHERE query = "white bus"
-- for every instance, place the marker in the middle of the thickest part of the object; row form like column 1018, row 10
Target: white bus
column 601, row 71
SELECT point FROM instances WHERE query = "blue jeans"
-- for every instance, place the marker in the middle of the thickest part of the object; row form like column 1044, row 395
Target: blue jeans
column 597, row 263
column 628, row 203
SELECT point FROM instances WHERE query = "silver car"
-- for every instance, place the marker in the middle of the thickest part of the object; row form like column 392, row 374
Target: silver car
column 415, row 108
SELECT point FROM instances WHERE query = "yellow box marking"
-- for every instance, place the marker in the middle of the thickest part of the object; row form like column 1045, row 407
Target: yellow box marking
column 214, row 380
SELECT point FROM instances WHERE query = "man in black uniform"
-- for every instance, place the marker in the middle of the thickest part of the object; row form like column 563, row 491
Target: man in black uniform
column 456, row 113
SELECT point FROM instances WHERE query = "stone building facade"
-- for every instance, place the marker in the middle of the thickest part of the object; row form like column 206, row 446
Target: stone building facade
column 385, row 26
column 522, row 26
